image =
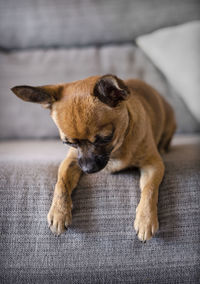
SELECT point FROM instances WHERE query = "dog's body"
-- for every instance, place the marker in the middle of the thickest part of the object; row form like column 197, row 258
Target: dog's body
column 109, row 123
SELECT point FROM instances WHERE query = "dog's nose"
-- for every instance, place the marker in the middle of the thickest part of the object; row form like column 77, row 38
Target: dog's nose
column 88, row 166
column 90, row 170
column 92, row 165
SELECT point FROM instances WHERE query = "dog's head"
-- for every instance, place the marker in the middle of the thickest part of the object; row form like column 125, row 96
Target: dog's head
column 90, row 115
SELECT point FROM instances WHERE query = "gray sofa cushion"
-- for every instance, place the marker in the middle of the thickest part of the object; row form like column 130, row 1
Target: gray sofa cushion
column 22, row 120
column 101, row 245
column 47, row 23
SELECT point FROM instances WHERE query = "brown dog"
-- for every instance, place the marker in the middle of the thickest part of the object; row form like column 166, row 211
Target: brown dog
column 108, row 123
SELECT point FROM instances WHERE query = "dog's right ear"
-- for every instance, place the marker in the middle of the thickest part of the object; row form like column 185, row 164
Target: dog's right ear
column 111, row 90
column 45, row 95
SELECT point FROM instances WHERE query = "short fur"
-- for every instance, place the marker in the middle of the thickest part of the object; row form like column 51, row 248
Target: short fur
column 109, row 123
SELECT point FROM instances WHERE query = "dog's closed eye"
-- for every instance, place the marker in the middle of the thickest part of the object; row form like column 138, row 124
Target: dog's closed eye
column 103, row 139
column 72, row 144
column 99, row 140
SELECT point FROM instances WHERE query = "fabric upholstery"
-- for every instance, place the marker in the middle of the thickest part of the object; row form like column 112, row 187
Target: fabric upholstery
column 101, row 245
column 175, row 51
column 47, row 23
column 19, row 119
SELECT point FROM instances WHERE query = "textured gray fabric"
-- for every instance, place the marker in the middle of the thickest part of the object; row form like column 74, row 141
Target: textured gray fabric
column 21, row 120
column 46, row 23
column 101, row 245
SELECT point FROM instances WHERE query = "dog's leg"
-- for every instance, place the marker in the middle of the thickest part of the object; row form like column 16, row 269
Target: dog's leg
column 59, row 216
column 146, row 221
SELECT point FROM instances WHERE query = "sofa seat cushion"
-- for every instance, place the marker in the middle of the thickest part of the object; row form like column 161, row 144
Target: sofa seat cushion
column 101, row 245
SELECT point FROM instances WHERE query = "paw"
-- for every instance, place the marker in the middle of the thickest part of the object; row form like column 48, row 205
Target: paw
column 59, row 217
column 146, row 222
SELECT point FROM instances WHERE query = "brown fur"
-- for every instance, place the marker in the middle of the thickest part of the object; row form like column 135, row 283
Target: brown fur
column 142, row 122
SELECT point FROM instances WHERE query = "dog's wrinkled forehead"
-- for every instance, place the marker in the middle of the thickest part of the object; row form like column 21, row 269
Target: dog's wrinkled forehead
column 80, row 115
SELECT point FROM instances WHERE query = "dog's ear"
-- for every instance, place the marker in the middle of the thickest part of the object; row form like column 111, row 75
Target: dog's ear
column 110, row 90
column 45, row 95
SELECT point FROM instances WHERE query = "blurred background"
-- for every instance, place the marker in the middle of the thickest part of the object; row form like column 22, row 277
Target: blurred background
column 53, row 41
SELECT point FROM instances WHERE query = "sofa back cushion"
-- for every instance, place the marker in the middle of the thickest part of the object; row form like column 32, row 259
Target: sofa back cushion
column 19, row 119
column 47, row 23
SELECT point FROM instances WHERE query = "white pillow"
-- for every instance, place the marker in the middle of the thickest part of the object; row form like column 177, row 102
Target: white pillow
column 176, row 52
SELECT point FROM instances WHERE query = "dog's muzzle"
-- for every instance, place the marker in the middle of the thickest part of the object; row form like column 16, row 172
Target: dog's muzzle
column 93, row 164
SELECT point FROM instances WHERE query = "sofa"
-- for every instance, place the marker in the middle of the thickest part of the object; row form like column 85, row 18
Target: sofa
column 46, row 42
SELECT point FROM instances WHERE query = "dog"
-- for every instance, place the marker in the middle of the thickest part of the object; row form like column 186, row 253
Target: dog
column 112, row 123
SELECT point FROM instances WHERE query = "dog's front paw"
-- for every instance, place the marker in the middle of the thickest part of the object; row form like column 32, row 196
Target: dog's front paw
column 146, row 221
column 59, row 217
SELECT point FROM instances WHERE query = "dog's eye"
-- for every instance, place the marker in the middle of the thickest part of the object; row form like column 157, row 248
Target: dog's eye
column 103, row 140
column 70, row 144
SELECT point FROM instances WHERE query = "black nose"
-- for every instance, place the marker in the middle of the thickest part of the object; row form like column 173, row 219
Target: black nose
column 92, row 165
